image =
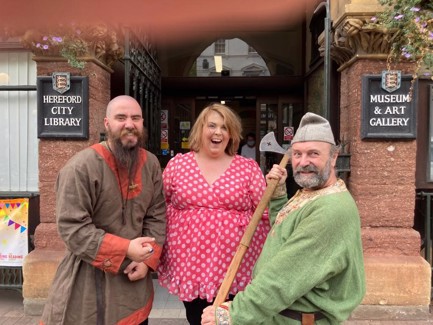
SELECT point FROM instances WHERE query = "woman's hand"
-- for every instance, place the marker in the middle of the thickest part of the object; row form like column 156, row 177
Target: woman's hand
column 277, row 172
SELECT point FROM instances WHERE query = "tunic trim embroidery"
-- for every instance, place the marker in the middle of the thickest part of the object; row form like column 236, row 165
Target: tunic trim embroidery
column 136, row 185
column 111, row 253
column 222, row 314
column 303, row 197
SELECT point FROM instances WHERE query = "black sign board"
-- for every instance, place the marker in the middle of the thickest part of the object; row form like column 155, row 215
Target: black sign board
column 388, row 113
column 63, row 106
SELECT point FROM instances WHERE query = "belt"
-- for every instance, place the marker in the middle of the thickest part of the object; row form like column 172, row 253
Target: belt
column 305, row 318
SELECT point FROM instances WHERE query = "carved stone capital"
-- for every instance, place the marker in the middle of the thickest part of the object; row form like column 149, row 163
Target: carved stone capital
column 357, row 36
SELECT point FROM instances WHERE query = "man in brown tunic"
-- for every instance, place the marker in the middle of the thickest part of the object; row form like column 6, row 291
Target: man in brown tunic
column 111, row 215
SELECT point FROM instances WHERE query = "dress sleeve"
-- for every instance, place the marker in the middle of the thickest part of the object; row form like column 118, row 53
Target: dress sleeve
column 257, row 186
column 167, row 176
column 74, row 194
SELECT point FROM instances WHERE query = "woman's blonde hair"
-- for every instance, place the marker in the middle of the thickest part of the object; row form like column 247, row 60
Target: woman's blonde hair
column 231, row 121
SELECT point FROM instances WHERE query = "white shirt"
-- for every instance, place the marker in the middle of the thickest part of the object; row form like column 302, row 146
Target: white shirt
column 248, row 152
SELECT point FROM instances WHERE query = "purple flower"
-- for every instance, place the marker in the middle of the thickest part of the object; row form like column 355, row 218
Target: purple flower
column 430, row 35
column 45, row 38
column 45, row 47
column 427, row 73
column 407, row 55
column 417, row 19
column 57, row 39
column 398, row 17
column 414, row 9
column 373, row 19
column 38, row 45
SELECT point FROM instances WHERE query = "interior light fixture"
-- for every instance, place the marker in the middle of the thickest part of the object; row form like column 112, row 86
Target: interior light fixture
column 4, row 78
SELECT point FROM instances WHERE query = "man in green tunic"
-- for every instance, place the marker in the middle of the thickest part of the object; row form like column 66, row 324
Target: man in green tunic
column 311, row 269
column 110, row 213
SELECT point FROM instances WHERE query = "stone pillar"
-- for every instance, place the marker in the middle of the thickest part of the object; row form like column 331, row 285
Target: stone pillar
column 382, row 181
column 40, row 265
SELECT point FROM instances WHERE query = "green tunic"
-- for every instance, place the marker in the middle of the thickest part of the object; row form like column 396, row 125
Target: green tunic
column 312, row 261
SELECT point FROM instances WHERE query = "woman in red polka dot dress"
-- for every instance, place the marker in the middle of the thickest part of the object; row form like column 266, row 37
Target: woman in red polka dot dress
column 211, row 195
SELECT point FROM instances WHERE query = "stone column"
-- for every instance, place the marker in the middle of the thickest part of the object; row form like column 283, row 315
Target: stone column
column 382, row 181
column 40, row 265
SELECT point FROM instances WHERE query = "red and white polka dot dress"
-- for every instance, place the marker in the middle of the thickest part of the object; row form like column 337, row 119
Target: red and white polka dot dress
column 205, row 224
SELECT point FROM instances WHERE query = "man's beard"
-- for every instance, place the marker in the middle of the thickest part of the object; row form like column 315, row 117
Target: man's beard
column 312, row 181
column 126, row 155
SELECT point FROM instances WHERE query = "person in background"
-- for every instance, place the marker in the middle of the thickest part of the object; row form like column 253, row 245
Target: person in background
column 110, row 213
column 249, row 149
column 311, row 268
column 211, row 195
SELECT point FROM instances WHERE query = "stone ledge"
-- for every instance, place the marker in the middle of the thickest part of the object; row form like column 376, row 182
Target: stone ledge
column 388, row 313
column 39, row 268
column 397, row 281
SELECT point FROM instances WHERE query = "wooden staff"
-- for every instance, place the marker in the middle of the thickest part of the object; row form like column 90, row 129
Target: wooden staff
column 248, row 235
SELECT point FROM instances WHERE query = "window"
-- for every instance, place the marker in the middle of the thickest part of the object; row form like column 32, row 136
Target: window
column 220, row 46
column 18, row 122
column 205, row 64
column 317, row 26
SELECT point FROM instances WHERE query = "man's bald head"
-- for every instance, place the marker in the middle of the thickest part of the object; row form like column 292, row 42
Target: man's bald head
column 120, row 100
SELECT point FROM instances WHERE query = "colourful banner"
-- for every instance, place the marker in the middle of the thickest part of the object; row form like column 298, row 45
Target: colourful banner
column 13, row 231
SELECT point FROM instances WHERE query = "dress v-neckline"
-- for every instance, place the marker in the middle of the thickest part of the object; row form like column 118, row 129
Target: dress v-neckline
column 210, row 184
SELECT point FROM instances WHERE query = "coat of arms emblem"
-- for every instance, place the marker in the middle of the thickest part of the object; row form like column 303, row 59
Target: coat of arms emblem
column 61, row 81
column 391, row 80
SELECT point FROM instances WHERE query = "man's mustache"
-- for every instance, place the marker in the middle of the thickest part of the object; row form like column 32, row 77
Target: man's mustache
column 308, row 168
column 130, row 131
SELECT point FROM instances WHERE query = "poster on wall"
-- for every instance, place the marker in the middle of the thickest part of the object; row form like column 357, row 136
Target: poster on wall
column 13, row 231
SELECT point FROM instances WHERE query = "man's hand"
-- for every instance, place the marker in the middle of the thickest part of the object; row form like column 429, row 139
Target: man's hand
column 140, row 248
column 208, row 316
column 277, row 172
column 136, row 271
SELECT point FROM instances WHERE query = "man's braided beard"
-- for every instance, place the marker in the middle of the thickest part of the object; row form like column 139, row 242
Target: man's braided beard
column 126, row 155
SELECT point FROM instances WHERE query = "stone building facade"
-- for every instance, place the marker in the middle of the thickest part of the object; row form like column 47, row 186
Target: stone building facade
column 382, row 177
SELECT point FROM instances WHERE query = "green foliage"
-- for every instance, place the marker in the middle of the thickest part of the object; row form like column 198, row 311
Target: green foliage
column 72, row 49
column 65, row 41
column 411, row 23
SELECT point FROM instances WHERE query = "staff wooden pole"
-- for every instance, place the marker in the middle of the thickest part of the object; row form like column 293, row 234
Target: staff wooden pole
column 246, row 238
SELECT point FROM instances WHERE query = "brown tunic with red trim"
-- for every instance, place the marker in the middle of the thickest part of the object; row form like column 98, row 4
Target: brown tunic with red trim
column 90, row 222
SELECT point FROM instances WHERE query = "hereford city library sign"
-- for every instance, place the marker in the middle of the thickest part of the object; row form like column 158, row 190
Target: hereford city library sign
column 63, row 106
column 388, row 108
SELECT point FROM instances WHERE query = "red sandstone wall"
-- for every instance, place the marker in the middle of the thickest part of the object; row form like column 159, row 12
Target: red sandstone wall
column 382, row 178
column 53, row 153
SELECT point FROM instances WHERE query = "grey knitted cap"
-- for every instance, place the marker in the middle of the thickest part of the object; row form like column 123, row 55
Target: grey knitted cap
column 313, row 127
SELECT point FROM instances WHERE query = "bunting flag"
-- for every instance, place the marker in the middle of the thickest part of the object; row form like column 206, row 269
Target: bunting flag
column 13, row 231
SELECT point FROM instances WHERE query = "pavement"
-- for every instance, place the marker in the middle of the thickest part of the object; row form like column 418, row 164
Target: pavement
column 167, row 310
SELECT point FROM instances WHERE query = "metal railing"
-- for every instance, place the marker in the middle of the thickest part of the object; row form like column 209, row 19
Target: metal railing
column 11, row 277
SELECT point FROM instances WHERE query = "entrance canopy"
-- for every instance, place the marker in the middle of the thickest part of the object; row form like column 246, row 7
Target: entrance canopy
column 166, row 20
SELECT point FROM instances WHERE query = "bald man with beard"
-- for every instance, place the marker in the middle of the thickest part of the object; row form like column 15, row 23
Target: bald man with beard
column 110, row 214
